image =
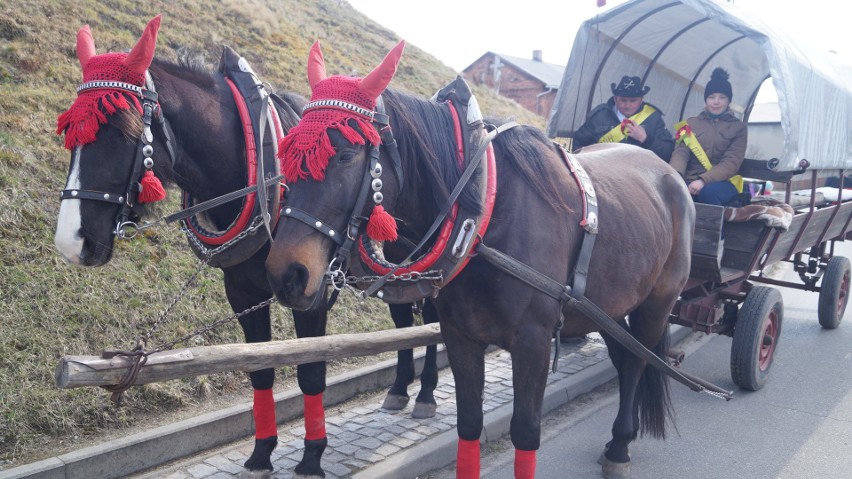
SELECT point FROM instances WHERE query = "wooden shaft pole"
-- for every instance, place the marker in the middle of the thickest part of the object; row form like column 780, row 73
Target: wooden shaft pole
column 81, row 371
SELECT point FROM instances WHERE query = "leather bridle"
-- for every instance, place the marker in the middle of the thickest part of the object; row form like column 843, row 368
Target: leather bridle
column 144, row 150
column 370, row 181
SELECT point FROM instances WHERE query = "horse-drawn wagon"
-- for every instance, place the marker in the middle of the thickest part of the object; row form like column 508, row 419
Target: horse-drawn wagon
column 674, row 44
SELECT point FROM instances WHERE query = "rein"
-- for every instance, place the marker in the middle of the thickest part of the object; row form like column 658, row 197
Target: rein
column 575, row 298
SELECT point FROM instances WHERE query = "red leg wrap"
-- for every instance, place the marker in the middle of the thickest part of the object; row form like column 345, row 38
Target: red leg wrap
column 314, row 417
column 524, row 464
column 264, row 414
column 467, row 459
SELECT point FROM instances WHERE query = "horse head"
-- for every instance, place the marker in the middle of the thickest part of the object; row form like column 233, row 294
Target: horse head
column 115, row 158
column 334, row 164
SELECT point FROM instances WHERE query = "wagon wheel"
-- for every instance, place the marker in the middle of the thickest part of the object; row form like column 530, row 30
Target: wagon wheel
column 834, row 292
column 756, row 336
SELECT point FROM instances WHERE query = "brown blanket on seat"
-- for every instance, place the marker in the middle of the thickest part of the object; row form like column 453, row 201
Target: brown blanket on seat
column 772, row 212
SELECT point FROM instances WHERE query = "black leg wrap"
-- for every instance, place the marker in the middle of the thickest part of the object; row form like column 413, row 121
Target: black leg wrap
column 261, row 457
column 310, row 465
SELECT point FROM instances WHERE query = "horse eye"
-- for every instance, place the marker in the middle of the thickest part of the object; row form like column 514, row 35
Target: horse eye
column 347, row 155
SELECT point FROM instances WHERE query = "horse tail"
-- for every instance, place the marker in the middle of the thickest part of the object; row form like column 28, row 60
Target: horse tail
column 655, row 407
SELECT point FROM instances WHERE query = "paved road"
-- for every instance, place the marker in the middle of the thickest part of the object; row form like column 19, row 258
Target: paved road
column 368, row 442
column 798, row 426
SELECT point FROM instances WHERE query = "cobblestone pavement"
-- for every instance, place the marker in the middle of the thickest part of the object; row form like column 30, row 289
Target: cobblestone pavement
column 362, row 434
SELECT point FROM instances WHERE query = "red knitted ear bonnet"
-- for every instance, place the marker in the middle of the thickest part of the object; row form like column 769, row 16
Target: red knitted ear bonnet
column 81, row 122
column 306, row 149
column 89, row 111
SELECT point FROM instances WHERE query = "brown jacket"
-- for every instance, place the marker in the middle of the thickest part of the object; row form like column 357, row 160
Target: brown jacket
column 724, row 140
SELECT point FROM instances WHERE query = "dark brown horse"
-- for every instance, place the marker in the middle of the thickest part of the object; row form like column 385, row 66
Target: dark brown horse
column 638, row 267
column 208, row 159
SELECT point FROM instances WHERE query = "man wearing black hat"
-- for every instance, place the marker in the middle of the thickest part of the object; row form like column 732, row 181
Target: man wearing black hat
column 626, row 118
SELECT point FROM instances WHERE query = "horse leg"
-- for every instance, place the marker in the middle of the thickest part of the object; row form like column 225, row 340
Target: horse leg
column 467, row 361
column 397, row 397
column 425, row 406
column 256, row 328
column 311, row 378
column 530, row 357
column 643, row 396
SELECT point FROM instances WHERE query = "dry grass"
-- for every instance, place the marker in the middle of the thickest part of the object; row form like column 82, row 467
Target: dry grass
column 51, row 309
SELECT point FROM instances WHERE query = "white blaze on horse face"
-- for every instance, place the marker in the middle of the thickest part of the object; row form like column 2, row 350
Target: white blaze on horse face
column 68, row 240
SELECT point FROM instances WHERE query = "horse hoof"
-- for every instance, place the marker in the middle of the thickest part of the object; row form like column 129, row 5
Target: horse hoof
column 395, row 402
column 314, row 476
column 614, row 470
column 423, row 410
column 258, row 474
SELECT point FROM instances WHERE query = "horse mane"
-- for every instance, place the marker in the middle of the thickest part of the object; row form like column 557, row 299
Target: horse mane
column 424, row 133
column 525, row 149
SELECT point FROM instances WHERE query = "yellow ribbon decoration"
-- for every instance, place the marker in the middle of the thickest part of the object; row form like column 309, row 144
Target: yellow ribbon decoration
column 617, row 134
column 684, row 134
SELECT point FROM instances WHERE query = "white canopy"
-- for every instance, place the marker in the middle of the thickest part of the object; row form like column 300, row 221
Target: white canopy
column 673, row 45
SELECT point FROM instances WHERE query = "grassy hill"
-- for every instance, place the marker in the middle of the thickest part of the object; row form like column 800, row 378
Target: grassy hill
column 49, row 308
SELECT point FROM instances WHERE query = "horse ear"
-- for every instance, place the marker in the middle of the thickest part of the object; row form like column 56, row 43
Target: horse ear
column 377, row 80
column 316, row 65
column 139, row 59
column 85, row 45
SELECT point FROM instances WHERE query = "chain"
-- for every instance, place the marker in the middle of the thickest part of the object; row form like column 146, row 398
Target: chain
column 209, row 253
column 214, row 325
column 207, row 256
column 412, row 276
column 337, row 280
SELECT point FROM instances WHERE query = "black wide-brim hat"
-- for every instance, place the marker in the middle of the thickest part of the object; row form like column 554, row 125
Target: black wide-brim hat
column 630, row 87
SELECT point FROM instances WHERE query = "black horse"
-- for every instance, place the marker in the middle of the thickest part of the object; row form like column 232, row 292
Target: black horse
column 638, row 266
column 206, row 156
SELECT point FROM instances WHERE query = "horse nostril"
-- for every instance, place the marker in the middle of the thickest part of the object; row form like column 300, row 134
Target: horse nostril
column 291, row 283
column 296, row 278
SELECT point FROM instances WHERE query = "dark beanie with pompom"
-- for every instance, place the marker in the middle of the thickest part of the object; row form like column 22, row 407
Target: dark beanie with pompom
column 718, row 84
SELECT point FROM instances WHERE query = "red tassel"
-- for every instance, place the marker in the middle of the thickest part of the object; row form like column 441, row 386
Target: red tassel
column 152, row 189
column 382, row 226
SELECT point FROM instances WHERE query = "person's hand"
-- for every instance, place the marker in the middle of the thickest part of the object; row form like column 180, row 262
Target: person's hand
column 636, row 132
column 695, row 187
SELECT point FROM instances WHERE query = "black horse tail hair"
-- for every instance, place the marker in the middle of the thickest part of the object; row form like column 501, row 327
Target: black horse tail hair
column 655, row 407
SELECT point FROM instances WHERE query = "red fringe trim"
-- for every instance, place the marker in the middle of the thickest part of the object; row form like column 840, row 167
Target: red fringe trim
column 264, row 414
column 83, row 120
column 306, row 149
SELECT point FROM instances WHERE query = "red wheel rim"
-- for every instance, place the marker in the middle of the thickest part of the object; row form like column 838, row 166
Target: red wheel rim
column 770, row 339
column 843, row 295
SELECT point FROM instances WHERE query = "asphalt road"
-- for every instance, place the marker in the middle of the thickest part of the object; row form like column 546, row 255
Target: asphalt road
column 798, row 426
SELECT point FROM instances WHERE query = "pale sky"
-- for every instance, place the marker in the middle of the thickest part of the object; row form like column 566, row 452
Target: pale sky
column 517, row 27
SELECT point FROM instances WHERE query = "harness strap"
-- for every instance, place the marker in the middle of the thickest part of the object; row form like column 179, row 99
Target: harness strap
column 465, row 177
column 219, row 200
column 564, row 295
column 311, row 221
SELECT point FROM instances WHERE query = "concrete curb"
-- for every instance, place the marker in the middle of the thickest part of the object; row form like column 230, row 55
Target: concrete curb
column 440, row 451
column 149, row 449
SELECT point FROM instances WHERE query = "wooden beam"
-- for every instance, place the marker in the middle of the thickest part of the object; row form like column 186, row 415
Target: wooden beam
column 81, row 371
